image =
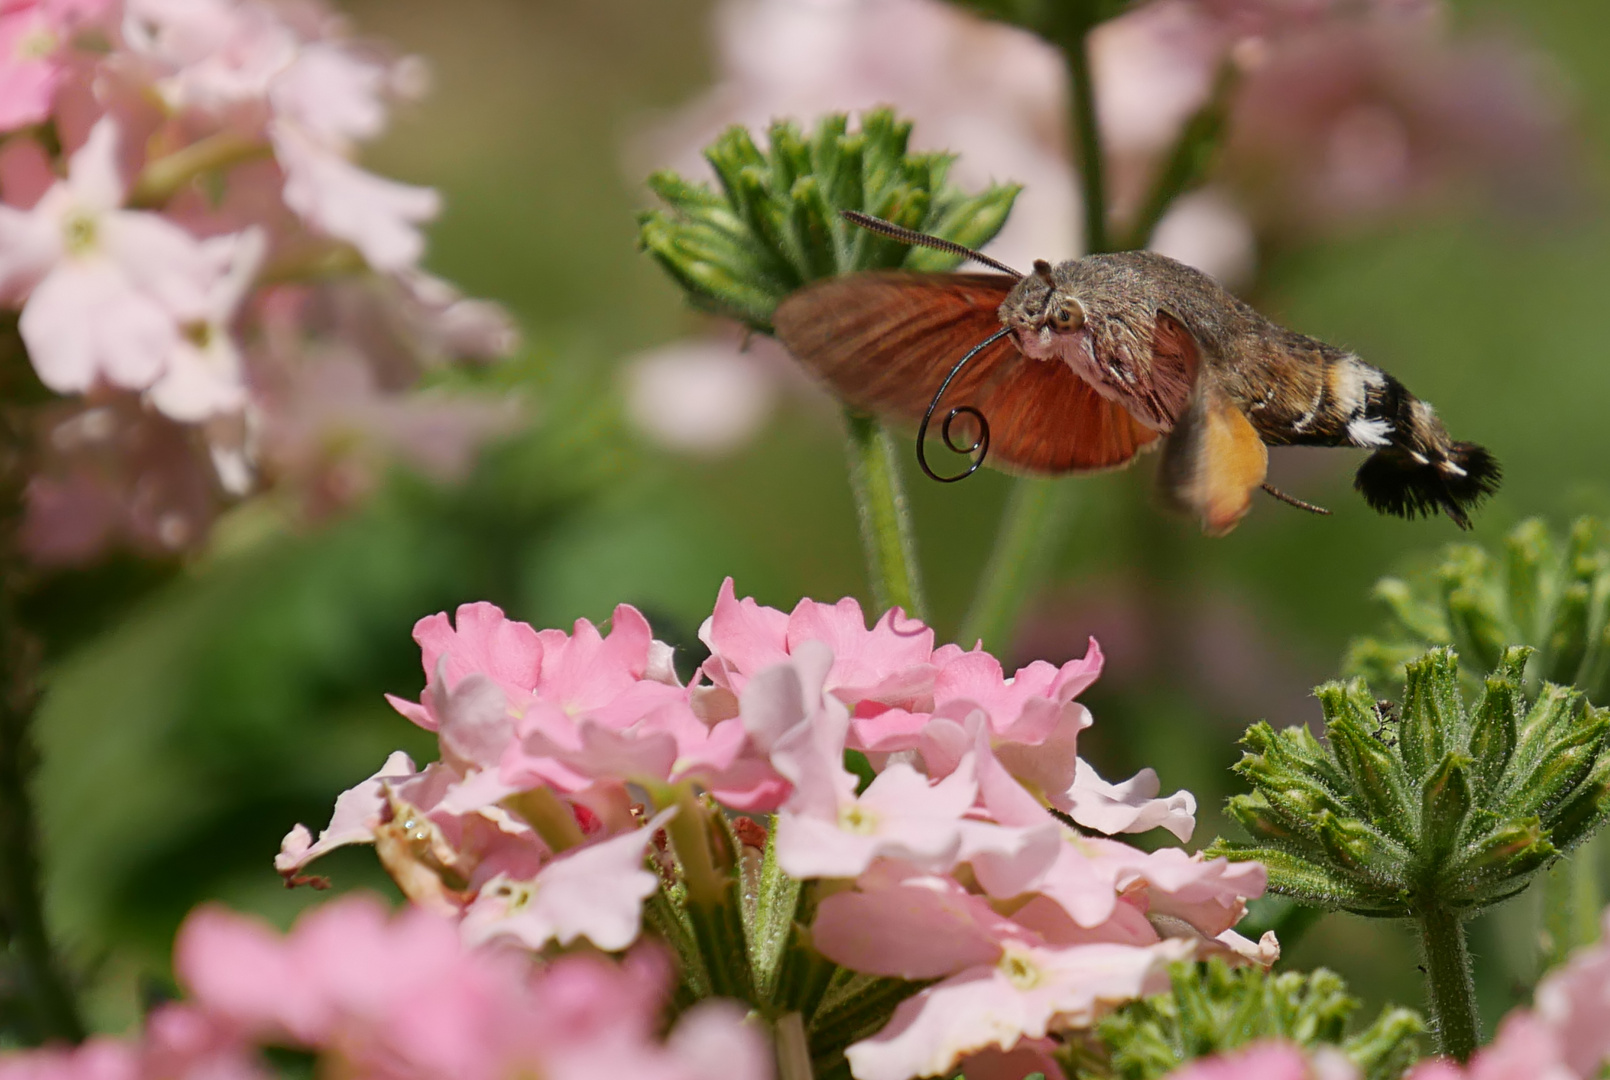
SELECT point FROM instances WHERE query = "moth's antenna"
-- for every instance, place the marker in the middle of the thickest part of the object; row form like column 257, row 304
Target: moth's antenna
column 980, row 445
column 1292, row 500
column 909, row 236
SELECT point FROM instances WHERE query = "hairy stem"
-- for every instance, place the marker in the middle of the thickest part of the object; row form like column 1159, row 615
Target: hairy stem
column 1040, row 511
column 793, row 1051
column 1450, row 991
column 884, row 516
column 32, row 961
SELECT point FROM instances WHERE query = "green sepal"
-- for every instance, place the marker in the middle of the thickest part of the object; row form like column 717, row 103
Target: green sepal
column 771, row 224
column 1445, row 805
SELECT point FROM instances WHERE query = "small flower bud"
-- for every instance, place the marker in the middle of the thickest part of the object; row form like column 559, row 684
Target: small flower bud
column 1447, row 805
column 774, row 223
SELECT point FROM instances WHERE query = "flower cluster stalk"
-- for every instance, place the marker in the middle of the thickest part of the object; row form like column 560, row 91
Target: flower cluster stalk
column 1450, row 989
column 884, row 516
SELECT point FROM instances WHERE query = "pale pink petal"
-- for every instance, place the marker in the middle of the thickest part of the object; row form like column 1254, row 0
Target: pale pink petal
column 379, row 217
column 1028, row 993
column 1574, row 1000
column 86, row 320
column 238, row 967
column 900, row 816
column 743, row 637
column 1260, row 1061
column 1264, row 952
column 30, row 244
column 476, row 727
column 917, row 928
column 332, row 94
column 714, row 1040
column 780, row 698
column 596, row 892
column 1127, row 807
column 92, row 172
column 357, row 815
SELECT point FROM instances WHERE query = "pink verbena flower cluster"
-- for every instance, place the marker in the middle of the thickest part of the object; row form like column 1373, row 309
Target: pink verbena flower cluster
column 197, row 260
column 377, row 997
column 946, row 866
column 1565, row 1035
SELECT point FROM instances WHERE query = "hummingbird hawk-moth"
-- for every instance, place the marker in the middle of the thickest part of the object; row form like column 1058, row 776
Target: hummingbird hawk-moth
column 1080, row 366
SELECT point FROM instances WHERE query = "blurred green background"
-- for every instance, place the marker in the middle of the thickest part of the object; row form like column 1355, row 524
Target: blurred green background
column 237, row 697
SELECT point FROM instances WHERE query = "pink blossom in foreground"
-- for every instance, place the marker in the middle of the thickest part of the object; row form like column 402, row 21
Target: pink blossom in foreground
column 1270, row 1061
column 375, row 996
column 559, row 733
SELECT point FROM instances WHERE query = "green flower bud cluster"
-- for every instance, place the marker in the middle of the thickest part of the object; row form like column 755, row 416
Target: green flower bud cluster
column 1552, row 596
column 1438, row 806
column 773, row 224
column 1213, row 1008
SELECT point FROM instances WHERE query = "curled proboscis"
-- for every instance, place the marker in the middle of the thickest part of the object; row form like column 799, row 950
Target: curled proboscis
column 980, row 444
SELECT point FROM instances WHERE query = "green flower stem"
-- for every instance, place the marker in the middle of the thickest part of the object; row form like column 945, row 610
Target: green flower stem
column 884, row 516
column 163, row 178
column 552, row 819
column 713, row 905
column 1036, row 519
column 1040, row 511
column 1450, row 991
column 793, row 1049
column 26, row 952
column 1087, row 137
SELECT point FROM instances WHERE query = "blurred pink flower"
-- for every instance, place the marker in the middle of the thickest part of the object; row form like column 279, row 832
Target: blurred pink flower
column 109, row 291
column 698, row 397
column 34, row 35
column 1270, row 1061
column 1356, row 117
column 111, row 472
column 380, row 996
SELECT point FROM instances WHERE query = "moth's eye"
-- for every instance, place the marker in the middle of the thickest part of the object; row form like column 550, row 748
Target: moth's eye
column 1068, row 316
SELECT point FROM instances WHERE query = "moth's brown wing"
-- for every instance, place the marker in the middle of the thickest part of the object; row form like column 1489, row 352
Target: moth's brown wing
column 883, row 342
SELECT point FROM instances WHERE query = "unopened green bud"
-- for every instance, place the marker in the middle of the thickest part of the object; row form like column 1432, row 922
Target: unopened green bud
column 772, row 224
column 1436, row 805
column 1446, row 803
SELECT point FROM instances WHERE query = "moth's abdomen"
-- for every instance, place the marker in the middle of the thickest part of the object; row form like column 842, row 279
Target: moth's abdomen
column 1416, row 468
